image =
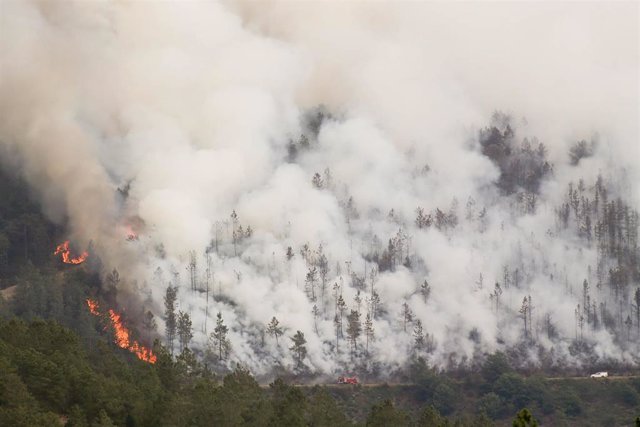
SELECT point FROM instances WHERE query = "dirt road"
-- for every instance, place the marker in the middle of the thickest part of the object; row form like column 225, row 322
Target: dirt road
column 384, row 384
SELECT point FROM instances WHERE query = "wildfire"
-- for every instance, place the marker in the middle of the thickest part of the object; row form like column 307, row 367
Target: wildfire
column 122, row 338
column 63, row 249
column 93, row 307
column 132, row 228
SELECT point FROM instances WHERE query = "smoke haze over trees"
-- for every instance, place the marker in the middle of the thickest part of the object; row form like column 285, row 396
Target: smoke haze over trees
column 329, row 186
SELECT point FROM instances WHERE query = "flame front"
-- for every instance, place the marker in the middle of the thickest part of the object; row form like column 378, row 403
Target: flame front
column 122, row 334
column 93, row 307
column 122, row 338
column 63, row 249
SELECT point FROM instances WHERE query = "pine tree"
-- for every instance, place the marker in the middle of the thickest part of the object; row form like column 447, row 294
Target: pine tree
column 312, row 277
column 337, row 323
column 636, row 300
column 586, row 300
column 221, row 343
column 342, row 306
column 193, row 270
column 530, row 304
column 317, row 181
column 170, row 315
column 579, row 321
column 316, row 312
column 323, row 269
column 358, row 301
column 524, row 310
column 336, row 294
column 112, row 281
column 524, row 418
column 407, row 315
column 425, row 290
column 235, row 234
column 375, row 304
column 103, row 420
column 354, row 329
column 298, row 348
column 418, row 336
column 422, row 220
column 497, row 291
column 368, row 331
column 274, row 329
column 184, row 330
column 149, row 324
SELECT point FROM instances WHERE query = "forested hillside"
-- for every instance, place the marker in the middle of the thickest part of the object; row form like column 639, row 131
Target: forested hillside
column 62, row 365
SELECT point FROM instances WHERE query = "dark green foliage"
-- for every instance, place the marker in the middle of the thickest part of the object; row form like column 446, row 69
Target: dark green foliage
column 242, row 400
column 491, row 404
column 18, row 407
column 49, row 374
column 444, row 397
column 385, row 414
column 512, row 388
column 430, row 417
column 298, row 348
column 580, row 150
column 495, row 365
column 170, row 318
column 570, row 403
column 524, row 418
column 25, row 235
column 49, row 363
column 323, row 410
column 482, row 420
column 77, row 417
column 221, row 346
column 523, row 164
column 626, row 394
column 288, row 404
column 185, row 330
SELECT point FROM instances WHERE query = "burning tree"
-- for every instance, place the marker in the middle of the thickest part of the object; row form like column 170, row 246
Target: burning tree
column 122, row 335
column 65, row 253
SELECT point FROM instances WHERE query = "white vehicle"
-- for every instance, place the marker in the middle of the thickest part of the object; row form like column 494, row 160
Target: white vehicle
column 600, row 375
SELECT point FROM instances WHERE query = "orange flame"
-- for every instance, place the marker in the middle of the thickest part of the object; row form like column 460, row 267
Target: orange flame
column 122, row 338
column 93, row 307
column 63, row 249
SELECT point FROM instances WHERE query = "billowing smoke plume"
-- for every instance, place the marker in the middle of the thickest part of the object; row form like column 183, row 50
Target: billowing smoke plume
column 162, row 119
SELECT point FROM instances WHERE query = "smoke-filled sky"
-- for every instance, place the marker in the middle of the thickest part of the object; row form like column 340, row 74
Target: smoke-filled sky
column 193, row 104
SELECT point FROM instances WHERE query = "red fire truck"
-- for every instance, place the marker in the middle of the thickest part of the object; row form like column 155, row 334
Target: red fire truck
column 347, row 380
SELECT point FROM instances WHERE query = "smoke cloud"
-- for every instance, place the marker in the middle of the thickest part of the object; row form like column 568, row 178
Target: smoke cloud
column 188, row 108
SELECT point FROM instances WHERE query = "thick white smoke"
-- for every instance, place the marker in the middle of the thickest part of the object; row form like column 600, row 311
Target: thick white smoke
column 193, row 104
